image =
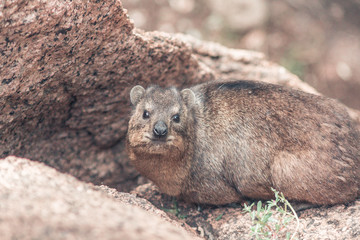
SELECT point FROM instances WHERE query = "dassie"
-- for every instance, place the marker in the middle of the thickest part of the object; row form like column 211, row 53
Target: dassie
column 220, row 142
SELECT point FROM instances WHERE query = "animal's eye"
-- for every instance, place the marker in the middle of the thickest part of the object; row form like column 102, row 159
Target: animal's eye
column 146, row 114
column 176, row 118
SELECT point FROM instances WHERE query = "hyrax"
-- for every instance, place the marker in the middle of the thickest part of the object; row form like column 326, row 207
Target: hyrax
column 220, row 142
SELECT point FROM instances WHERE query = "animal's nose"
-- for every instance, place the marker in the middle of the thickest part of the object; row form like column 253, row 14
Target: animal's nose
column 160, row 129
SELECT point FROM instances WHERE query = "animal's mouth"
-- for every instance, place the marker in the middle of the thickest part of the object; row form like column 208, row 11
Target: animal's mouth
column 158, row 140
column 152, row 145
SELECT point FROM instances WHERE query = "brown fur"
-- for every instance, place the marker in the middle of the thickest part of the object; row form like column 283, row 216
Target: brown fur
column 239, row 139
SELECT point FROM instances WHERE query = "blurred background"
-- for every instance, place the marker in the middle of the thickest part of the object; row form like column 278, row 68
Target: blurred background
column 317, row 40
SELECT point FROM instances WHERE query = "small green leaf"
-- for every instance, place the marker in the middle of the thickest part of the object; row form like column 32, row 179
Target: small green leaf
column 259, row 205
column 219, row 217
column 180, row 216
column 267, row 216
column 253, row 215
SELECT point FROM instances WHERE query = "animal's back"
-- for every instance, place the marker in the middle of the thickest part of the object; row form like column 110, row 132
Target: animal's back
column 252, row 136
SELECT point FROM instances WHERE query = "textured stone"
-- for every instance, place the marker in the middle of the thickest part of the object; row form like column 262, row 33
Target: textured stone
column 37, row 202
column 66, row 71
column 229, row 222
column 67, row 67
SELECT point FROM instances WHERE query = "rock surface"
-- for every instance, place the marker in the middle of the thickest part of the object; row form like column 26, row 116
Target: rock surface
column 66, row 71
column 67, row 68
column 229, row 222
column 37, row 202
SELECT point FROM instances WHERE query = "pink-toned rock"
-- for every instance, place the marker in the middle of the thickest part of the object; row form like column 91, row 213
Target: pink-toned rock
column 37, row 202
column 66, row 71
column 229, row 222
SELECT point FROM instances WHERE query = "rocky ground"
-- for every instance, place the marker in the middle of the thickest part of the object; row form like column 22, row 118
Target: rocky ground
column 38, row 202
column 67, row 68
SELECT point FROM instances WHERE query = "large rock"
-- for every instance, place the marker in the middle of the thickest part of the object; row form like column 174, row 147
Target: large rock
column 66, row 71
column 38, row 202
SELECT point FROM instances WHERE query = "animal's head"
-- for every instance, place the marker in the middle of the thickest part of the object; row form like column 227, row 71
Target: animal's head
column 162, row 120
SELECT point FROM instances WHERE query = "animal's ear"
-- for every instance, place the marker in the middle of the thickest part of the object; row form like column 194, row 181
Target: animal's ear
column 136, row 94
column 189, row 96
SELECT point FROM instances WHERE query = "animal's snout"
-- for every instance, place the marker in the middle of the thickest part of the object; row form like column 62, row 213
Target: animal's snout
column 160, row 129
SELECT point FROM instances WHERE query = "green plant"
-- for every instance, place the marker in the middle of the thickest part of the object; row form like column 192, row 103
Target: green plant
column 175, row 210
column 219, row 217
column 270, row 221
